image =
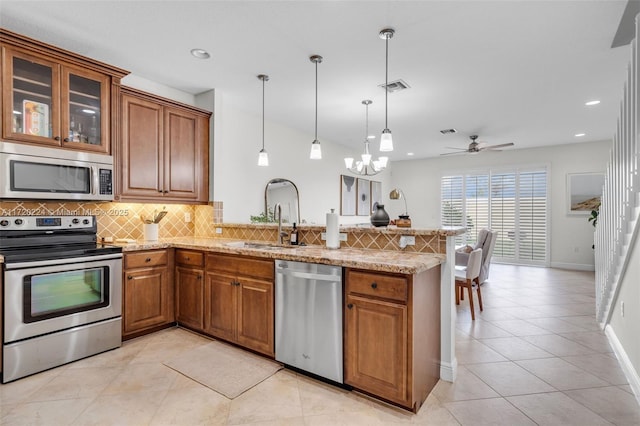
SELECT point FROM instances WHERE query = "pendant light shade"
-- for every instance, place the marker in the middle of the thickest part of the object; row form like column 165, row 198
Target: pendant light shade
column 386, row 140
column 316, row 149
column 263, row 157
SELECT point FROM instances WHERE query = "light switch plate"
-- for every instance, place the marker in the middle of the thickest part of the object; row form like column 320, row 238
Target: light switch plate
column 218, row 230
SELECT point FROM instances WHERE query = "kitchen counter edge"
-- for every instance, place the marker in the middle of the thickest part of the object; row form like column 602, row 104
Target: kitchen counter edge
column 375, row 260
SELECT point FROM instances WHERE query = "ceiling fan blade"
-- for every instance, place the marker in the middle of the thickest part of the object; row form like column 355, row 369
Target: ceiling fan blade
column 455, row 153
column 452, row 147
column 502, row 145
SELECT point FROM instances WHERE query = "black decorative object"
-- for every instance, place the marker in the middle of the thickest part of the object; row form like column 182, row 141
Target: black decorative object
column 380, row 217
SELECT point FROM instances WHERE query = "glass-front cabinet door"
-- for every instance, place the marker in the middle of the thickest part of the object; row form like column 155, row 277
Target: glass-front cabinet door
column 55, row 103
column 85, row 116
column 32, row 109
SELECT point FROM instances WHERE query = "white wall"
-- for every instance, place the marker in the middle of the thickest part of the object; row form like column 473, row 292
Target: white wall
column 240, row 183
column 571, row 236
column 627, row 328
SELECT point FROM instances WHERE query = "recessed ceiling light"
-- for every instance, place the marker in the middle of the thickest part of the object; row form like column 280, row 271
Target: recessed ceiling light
column 200, row 53
column 409, row 154
column 579, row 135
column 591, row 103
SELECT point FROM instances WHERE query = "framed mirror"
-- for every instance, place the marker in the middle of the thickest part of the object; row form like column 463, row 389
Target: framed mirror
column 285, row 192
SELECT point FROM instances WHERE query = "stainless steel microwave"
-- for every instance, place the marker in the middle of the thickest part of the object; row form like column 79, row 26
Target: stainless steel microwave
column 33, row 172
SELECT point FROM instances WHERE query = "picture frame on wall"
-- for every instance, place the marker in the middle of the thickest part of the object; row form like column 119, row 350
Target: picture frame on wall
column 347, row 195
column 364, row 197
column 584, row 191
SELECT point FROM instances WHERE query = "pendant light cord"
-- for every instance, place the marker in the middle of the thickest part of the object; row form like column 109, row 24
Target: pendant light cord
column 366, row 129
column 263, row 114
column 316, row 138
column 386, row 79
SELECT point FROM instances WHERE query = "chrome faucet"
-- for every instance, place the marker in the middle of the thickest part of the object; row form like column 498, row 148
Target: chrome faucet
column 278, row 212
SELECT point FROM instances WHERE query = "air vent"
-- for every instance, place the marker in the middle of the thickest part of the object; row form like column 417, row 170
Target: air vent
column 395, row 86
column 448, row 131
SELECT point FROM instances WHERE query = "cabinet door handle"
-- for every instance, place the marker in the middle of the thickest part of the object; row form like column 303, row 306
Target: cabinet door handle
column 66, row 139
column 199, row 277
column 57, row 138
column 129, row 277
column 165, row 192
column 187, row 258
column 148, row 259
column 350, row 306
column 374, row 285
column 160, row 191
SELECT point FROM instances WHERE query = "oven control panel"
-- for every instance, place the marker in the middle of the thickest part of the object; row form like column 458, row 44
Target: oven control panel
column 27, row 223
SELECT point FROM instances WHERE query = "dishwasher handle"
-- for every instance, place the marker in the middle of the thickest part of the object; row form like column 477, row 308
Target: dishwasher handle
column 309, row 275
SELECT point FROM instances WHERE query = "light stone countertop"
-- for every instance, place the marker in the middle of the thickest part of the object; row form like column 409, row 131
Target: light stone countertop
column 375, row 260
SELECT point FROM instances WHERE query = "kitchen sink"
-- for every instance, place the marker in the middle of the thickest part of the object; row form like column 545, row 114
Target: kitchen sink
column 260, row 246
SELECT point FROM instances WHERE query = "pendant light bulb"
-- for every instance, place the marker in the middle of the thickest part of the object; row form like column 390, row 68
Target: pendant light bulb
column 386, row 141
column 348, row 162
column 316, row 149
column 263, row 157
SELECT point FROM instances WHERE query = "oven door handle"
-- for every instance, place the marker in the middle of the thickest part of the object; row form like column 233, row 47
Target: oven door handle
column 61, row 261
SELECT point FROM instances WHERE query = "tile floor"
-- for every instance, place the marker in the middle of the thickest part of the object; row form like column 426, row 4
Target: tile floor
column 534, row 356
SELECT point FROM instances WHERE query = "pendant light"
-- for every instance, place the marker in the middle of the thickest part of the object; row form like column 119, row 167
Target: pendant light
column 263, row 157
column 366, row 167
column 316, row 150
column 386, row 141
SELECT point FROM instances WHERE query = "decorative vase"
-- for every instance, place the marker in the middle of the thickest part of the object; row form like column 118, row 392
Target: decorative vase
column 380, row 217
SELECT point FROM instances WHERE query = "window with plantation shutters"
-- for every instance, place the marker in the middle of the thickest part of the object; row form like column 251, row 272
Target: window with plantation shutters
column 451, row 200
column 512, row 202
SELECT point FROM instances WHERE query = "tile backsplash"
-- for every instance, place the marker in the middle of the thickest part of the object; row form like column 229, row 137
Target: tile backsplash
column 119, row 220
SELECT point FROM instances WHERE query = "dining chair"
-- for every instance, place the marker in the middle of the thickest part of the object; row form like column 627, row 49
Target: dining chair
column 467, row 277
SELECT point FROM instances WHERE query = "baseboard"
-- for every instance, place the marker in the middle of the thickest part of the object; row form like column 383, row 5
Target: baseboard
column 625, row 363
column 449, row 371
column 573, row 266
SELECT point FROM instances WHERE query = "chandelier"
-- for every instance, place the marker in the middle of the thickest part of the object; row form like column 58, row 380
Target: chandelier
column 366, row 166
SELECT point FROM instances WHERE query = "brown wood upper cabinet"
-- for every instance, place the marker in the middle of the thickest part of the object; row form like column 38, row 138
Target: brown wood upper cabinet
column 56, row 98
column 164, row 152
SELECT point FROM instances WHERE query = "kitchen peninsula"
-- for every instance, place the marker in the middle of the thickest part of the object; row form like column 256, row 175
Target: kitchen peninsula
column 392, row 299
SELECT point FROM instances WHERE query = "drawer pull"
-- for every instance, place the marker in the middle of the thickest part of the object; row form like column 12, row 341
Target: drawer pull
column 199, row 277
column 350, row 306
column 187, row 258
column 129, row 277
column 374, row 285
column 148, row 259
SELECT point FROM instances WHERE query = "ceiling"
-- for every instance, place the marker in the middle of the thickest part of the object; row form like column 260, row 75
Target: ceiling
column 510, row 71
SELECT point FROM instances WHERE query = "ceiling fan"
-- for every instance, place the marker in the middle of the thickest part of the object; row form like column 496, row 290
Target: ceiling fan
column 475, row 147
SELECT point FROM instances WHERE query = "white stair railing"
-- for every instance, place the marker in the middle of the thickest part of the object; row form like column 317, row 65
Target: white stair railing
column 619, row 215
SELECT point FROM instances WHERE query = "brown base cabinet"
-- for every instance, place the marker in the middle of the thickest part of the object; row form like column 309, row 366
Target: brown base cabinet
column 238, row 301
column 148, row 292
column 392, row 334
column 189, row 288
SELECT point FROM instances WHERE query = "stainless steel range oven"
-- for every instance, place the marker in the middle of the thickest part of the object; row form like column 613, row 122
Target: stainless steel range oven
column 62, row 293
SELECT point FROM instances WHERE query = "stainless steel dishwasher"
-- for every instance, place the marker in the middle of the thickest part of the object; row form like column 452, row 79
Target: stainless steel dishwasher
column 309, row 318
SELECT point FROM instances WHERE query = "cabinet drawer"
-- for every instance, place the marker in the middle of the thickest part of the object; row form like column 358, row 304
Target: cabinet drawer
column 191, row 258
column 377, row 285
column 145, row 258
column 240, row 265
